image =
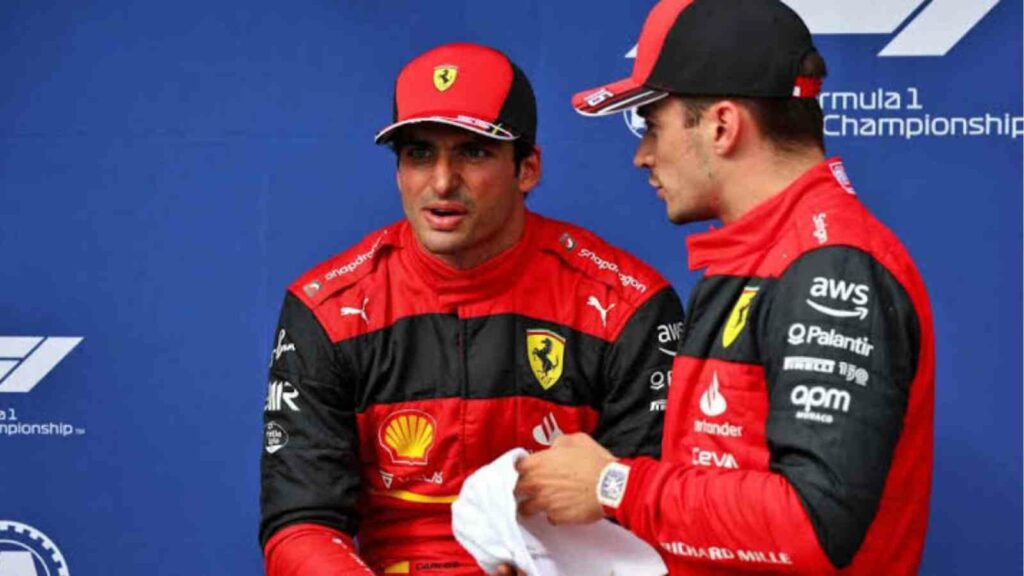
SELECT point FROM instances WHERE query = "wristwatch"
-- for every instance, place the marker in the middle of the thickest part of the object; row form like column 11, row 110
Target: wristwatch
column 611, row 485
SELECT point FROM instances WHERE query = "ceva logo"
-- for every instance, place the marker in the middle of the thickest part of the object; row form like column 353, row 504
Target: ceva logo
column 26, row 360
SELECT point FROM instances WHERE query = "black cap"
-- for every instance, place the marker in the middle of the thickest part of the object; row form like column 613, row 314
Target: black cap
column 740, row 48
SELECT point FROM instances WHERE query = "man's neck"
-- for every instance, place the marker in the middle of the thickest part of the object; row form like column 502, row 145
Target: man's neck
column 759, row 177
column 488, row 248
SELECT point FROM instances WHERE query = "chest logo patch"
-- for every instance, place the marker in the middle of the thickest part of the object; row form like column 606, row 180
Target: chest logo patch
column 546, row 354
column 738, row 317
column 408, row 436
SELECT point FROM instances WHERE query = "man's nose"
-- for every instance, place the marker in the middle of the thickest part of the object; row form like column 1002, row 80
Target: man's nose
column 643, row 157
column 446, row 175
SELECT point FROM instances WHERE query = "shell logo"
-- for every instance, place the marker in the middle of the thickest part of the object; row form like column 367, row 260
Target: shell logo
column 408, row 436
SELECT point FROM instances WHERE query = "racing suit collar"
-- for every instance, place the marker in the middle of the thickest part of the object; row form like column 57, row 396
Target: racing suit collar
column 455, row 287
column 763, row 223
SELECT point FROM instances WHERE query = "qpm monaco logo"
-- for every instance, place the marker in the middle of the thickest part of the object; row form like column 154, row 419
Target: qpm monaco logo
column 918, row 27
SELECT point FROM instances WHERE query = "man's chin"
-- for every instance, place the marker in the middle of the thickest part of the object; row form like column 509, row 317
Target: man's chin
column 441, row 243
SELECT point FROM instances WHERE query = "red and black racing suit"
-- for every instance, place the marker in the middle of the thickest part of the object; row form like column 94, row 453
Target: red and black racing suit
column 798, row 435
column 394, row 377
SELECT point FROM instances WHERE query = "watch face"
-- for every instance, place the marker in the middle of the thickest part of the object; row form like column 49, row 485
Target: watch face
column 613, row 485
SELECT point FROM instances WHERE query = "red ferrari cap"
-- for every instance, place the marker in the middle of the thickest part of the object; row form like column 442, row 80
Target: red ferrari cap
column 465, row 85
column 741, row 48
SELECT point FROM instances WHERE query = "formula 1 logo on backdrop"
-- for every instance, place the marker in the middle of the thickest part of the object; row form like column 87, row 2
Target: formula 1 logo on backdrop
column 26, row 360
column 25, row 551
column 931, row 31
column 921, row 27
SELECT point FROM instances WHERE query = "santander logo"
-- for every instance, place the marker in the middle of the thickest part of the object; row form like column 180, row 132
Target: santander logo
column 712, row 403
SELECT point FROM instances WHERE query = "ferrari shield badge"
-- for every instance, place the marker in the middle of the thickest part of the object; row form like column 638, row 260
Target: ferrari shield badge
column 546, row 351
column 738, row 317
column 444, row 77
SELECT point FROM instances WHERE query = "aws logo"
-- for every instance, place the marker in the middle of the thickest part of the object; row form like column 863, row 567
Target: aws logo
column 407, row 436
column 843, row 291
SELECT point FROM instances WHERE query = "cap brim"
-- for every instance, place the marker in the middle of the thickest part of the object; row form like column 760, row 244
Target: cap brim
column 615, row 97
column 476, row 125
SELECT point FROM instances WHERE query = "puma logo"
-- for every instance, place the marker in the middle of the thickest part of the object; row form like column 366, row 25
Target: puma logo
column 593, row 301
column 361, row 312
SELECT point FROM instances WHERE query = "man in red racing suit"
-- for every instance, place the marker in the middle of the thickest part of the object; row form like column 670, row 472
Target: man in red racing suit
column 398, row 370
column 798, row 434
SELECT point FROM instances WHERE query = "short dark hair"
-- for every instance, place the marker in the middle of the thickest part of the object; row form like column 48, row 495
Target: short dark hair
column 788, row 123
column 521, row 150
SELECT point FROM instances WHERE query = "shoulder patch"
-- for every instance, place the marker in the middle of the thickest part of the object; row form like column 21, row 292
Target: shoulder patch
column 344, row 269
column 833, row 219
column 581, row 249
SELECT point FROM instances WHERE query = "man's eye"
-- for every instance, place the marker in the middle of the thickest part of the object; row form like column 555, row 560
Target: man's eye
column 476, row 152
column 417, row 152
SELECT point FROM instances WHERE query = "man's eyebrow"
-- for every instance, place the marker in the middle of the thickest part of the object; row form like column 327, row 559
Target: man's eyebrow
column 479, row 140
column 418, row 142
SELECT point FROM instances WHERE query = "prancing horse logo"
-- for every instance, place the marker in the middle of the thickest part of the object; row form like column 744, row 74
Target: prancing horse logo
column 546, row 356
column 444, row 76
column 543, row 353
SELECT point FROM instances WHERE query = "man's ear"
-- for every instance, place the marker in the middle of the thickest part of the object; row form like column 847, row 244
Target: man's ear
column 729, row 123
column 530, row 171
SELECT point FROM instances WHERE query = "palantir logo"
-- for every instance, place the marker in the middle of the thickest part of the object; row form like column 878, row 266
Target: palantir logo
column 26, row 360
column 25, row 551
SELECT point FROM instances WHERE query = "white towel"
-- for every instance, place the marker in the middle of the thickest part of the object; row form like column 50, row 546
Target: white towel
column 485, row 522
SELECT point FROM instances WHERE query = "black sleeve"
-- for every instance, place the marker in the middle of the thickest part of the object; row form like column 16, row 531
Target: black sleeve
column 638, row 371
column 309, row 467
column 841, row 340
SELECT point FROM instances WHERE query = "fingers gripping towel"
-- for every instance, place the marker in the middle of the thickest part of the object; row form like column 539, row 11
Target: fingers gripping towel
column 485, row 522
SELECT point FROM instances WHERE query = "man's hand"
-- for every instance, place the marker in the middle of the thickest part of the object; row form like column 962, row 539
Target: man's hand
column 562, row 480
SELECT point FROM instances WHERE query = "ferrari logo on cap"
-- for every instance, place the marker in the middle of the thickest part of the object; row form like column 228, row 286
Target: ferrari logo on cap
column 444, row 76
column 546, row 351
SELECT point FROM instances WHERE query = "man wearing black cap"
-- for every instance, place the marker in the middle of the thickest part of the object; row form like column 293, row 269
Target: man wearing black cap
column 798, row 433
column 440, row 342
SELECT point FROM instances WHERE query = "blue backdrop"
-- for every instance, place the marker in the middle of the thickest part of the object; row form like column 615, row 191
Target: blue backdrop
column 166, row 169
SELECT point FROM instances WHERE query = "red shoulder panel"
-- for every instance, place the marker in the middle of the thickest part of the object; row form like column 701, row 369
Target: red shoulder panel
column 345, row 268
column 630, row 277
